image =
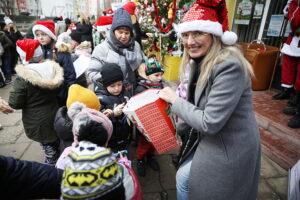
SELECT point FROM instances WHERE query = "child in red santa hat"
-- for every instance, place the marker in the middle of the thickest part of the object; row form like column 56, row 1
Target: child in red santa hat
column 103, row 25
column 34, row 91
column 290, row 75
column 44, row 32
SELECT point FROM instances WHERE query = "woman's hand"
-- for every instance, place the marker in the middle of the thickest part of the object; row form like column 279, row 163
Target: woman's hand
column 168, row 95
column 5, row 108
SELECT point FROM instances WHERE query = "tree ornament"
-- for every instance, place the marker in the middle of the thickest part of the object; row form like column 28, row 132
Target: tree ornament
column 173, row 36
column 170, row 11
column 169, row 26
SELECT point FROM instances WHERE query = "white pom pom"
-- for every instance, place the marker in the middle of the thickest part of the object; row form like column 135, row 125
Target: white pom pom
column 75, row 108
column 229, row 38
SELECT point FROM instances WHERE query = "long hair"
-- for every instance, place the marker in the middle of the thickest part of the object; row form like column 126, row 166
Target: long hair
column 83, row 19
column 216, row 54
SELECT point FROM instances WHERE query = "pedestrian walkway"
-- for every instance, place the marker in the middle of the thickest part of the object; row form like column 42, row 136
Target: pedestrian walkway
column 155, row 186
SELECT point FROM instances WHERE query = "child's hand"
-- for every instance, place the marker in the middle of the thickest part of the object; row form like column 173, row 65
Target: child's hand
column 5, row 108
column 108, row 112
column 119, row 109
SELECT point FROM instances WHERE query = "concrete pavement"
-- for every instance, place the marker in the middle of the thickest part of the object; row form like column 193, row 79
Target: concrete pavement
column 13, row 142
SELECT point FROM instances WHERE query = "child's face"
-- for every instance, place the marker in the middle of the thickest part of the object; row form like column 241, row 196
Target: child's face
column 74, row 44
column 155, row 77
column 42, row 37
column 115, row 88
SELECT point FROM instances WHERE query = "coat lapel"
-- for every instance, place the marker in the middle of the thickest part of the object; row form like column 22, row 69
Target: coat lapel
column 198, row 92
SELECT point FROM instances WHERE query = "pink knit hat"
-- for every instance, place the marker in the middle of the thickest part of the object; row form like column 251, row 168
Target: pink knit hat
column 81, row 116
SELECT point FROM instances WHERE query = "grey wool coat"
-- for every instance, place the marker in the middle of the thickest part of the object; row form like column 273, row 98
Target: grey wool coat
column 226, row 163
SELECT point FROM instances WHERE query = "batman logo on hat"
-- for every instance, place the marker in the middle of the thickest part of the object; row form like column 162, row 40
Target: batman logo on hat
column 110, row 171
column 81, row 179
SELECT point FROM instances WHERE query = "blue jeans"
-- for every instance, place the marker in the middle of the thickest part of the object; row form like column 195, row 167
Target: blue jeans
column 6, row 67
column 182, row 179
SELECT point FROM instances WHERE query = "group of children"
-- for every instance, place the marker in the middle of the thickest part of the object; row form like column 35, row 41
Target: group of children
column 66, row 117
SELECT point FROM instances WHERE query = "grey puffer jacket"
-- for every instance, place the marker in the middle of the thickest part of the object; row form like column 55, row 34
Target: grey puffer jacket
column 104, row 53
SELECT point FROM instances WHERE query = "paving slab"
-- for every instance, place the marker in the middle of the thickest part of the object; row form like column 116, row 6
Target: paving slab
column 13, row 150
column 270, row 168
column 152, row 196
column 9, row 135
column 11, row 119
column 34, row 152
column 153, row 180
column 265, row 192
column 280, row 186
column 167, row 172
column 23, row 139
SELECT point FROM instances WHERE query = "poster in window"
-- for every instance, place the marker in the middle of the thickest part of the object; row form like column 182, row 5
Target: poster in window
column 275, row 25
column 258, row 10
column 243, row 12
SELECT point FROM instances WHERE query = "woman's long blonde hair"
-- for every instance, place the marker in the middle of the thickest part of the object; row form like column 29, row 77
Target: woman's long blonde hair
column 217, row 53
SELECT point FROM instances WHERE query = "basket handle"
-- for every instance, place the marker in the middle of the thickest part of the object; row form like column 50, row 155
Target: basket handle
column 258, row 42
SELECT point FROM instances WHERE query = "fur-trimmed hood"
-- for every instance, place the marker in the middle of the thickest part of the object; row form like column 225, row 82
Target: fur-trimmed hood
column 45, row 75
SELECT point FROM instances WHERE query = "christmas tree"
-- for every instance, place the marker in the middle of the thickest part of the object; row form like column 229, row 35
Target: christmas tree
column 157, row 19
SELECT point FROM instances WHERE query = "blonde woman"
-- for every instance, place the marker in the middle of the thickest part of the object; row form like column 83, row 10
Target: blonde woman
column 220, row 151
column 85, row 28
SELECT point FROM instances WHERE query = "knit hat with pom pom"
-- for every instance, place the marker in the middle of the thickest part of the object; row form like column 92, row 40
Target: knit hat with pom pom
column 89, row 123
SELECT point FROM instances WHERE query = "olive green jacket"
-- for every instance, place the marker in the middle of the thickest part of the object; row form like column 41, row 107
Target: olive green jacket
column 34, row 91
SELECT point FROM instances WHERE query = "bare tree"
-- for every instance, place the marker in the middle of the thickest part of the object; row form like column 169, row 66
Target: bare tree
column 8, row 7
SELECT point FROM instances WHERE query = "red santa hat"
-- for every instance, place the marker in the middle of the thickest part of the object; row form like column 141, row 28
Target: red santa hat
column 109, row 12
column 104, row 23
column 47, row 27
column 208, row 16
column 28, row 48
column 130, row 7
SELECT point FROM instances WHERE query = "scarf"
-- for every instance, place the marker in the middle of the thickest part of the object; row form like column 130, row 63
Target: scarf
column 126, row 50
column 149, row 84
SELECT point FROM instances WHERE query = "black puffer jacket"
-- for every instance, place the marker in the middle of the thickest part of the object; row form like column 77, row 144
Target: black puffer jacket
column 21, row 179
column 65, row 61
column 6, row 44
column 121, row 130
column 63, row 126
column 86, row 32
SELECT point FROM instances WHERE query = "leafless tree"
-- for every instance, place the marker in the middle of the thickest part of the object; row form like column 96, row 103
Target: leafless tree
column 8, row 7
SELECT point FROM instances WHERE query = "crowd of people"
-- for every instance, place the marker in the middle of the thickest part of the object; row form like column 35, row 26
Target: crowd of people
column 83, row 132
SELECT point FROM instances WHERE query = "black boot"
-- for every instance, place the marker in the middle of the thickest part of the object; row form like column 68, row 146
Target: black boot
column 295, row 121
column 294, row 99
column 141, row 170
column 290, row 111
column 152, row 162
column 284, row 94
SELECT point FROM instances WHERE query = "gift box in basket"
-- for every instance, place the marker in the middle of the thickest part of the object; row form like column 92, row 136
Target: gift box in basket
column 151, row 116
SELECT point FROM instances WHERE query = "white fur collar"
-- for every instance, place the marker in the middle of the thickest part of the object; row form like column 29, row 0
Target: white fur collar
column 46, row 75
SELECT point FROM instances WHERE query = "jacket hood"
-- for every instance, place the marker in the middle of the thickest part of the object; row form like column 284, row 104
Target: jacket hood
column 45, row 75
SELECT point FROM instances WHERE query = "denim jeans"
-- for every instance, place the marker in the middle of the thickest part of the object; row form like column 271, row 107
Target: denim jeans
column 182, row 179
column 6, row 67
